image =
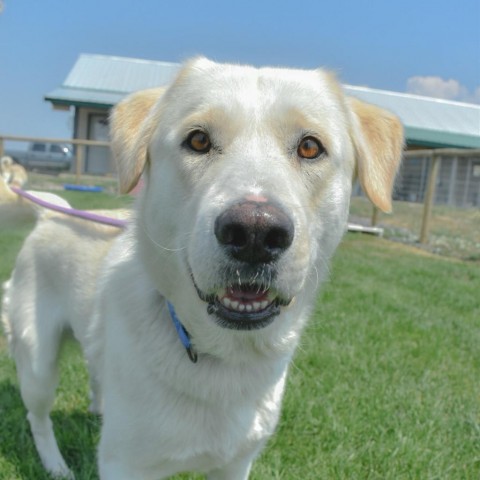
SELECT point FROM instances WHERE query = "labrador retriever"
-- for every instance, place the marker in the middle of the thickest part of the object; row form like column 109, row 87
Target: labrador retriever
column 190, row 318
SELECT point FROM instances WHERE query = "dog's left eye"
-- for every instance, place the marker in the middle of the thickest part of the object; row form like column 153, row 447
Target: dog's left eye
column 199, row 141
column 310, row 148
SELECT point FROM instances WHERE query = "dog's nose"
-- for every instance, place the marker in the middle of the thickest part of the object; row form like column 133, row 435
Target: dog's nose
column 254, row 232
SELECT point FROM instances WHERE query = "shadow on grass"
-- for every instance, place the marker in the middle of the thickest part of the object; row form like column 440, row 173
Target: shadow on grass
column 76, row 432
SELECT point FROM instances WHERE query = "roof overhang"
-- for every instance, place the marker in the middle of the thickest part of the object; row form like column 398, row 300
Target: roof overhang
column 77, row 97
column 437, row 139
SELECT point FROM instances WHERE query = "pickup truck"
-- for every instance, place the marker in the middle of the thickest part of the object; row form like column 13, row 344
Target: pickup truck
column 44, row 157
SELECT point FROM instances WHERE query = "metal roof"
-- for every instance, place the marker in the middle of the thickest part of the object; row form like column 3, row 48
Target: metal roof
column 102, row 81
column 428, row 121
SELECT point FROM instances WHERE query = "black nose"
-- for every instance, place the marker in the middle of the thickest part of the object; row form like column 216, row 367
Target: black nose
column 254, row 232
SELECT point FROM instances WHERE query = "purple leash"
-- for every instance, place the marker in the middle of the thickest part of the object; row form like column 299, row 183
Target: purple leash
column 93, row 217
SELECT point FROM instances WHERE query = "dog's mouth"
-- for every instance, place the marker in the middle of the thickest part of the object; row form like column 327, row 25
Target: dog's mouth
column 244, row 307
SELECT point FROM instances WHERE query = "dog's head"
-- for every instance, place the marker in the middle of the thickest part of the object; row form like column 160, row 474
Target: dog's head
column 248, row 176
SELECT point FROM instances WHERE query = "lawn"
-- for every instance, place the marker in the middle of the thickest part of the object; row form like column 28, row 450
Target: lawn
column 385, row 384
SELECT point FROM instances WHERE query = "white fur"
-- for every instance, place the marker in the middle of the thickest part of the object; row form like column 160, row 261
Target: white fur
column 162, row 413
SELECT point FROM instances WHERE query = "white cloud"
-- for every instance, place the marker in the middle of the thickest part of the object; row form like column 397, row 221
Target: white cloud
column 439, row 88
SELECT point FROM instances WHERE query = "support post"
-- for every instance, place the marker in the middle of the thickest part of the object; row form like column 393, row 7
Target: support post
column 79, row 163
column 429, row 199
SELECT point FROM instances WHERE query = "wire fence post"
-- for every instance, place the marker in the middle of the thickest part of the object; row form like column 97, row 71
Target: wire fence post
column 429, row 199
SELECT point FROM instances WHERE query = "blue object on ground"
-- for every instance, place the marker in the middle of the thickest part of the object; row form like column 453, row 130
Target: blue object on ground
column 83, row 188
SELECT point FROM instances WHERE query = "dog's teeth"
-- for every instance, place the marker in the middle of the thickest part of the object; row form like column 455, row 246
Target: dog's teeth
column 226, row 302
column 244, row 306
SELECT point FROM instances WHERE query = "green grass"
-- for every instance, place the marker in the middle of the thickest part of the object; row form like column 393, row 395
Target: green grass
column 385, row 384
column 93, row 201
column 41, row 181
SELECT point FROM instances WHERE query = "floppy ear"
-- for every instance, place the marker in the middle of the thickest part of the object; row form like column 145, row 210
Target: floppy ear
column 132, row 123
column 378, row 139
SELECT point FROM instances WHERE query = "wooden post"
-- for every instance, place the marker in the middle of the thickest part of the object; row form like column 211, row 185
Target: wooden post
column 429, row 199
column 79, row 164
column 1, row 147
column 375, row 215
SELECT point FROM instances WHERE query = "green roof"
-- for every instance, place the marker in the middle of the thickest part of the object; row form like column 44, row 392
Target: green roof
column 102, row 81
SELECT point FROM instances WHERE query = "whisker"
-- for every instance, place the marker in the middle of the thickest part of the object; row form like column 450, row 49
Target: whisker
column 162, row 247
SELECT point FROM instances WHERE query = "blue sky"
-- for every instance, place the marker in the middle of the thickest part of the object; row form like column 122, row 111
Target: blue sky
column 421, row 47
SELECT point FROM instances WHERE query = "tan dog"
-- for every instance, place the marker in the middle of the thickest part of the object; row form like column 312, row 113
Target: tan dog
column 15, row 210
column 13, row 173
column 248, row 176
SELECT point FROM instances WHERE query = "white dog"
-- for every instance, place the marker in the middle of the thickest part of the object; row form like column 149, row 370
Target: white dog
column 198, row 307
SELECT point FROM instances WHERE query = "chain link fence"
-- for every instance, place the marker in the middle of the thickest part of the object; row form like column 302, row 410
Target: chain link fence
column 436, row 203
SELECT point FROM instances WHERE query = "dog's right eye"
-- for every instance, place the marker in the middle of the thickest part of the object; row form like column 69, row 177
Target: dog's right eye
column 199, row 141
column 310, row 148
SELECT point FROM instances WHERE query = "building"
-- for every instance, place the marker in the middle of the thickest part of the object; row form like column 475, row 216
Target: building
column 98, row 82
column 93, row 86
column 432, row 123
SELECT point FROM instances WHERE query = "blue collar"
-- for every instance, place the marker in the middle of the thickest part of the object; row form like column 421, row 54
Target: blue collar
column 182, row 334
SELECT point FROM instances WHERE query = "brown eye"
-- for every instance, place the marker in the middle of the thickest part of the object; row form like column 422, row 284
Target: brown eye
column 310, row 148
column 199, row 141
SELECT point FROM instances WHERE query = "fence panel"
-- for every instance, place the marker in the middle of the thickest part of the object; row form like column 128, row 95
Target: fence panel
column 451, row 223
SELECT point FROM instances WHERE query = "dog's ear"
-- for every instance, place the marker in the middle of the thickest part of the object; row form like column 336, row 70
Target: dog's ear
column 378, row 139
column 132, row 123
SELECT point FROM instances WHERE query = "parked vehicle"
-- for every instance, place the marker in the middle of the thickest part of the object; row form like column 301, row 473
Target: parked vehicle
column 44, row 157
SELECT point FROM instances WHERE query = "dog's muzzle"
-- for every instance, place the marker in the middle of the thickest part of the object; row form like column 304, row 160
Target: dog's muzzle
column 253, row 235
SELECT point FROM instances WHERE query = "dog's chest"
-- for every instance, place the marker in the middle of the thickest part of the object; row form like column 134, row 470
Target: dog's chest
column 188, row 435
